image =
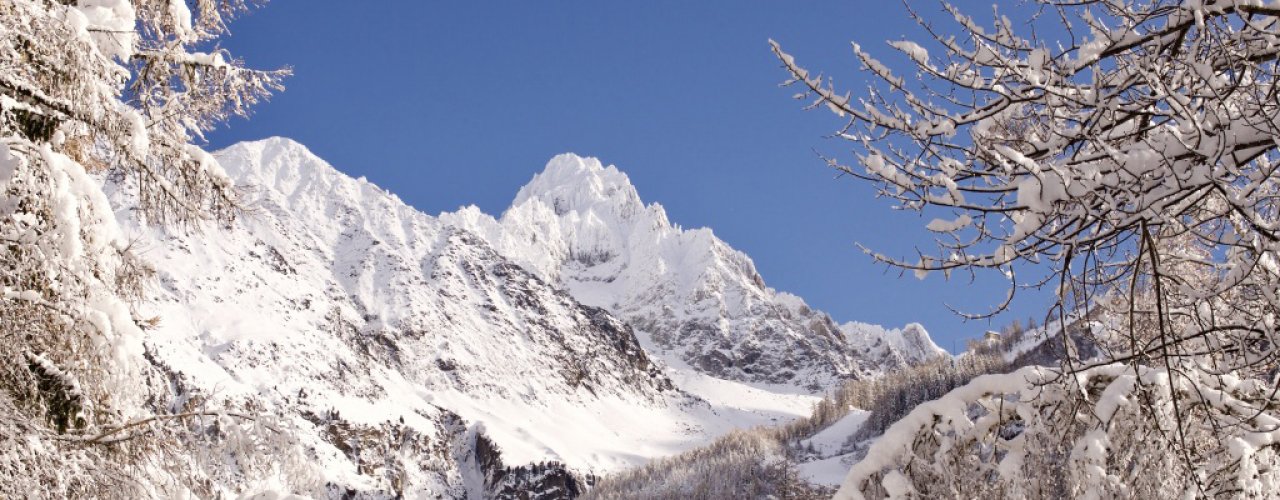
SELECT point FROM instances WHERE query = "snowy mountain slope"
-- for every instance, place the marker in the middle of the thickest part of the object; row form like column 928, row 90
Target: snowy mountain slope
column 583, row 226
column 830, row 462
column 365, row 267
column 367, row 322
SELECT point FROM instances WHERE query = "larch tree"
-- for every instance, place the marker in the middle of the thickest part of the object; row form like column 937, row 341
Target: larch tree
column 89, row 89
column 1133, row 153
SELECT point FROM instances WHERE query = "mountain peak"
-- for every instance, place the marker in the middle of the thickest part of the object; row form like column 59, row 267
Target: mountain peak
column 891, row 348
column 276, row 144
column 290, row 168
column 270, row 158
column 575, row 183
column 917, row 340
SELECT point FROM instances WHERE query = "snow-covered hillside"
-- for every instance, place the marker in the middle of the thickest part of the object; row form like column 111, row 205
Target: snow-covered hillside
column 334, row 303
column 366, row 323
column 583, row 226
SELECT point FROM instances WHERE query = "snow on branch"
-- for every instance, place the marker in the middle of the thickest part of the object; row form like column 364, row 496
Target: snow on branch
column 1135, row 159
column 1159, row 117
column 1054, row 148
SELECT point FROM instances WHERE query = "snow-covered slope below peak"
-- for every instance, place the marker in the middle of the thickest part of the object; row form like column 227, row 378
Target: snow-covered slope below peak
column 582, row 225
column 333, row 302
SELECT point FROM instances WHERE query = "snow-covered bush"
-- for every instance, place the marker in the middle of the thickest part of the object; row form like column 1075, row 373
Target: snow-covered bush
column 91, row 88
column 1134, row 155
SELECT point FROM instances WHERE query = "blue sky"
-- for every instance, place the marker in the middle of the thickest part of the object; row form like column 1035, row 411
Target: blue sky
column 456, row 103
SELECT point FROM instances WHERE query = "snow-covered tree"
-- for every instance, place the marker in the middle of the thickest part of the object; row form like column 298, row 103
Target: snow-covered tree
column 1133, row 151
column 93, row 88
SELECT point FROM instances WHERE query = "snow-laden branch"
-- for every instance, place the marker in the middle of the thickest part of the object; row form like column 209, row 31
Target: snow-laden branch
column 1136, row 160
column 1163, row 116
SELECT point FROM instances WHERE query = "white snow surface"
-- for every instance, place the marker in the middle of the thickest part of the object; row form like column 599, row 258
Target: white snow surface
column 831, row 440
column 834, row 456
column 829, row 471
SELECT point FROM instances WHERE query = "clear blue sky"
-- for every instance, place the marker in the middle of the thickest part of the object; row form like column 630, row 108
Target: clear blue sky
column 456, row 103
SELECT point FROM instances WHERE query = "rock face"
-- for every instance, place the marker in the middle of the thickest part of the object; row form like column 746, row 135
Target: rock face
column 584, row 227
column 880, row 349
column 395, row 345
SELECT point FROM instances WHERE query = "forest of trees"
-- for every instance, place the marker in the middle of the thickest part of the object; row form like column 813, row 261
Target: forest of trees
column 749, row 463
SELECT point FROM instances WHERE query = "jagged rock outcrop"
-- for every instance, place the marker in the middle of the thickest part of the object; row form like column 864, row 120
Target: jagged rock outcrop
column 583, row 226
column 881, row 349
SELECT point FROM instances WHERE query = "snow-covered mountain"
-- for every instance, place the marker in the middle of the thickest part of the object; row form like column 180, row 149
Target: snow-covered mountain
column 886, row 349
column 583, row 226
column 370, row 325
column 581, row 327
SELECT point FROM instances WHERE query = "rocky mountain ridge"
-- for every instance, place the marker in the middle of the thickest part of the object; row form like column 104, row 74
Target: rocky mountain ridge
column 582, row 225
column 595, row 336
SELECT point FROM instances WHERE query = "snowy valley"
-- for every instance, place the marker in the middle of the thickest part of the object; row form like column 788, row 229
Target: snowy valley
column 581, row 327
